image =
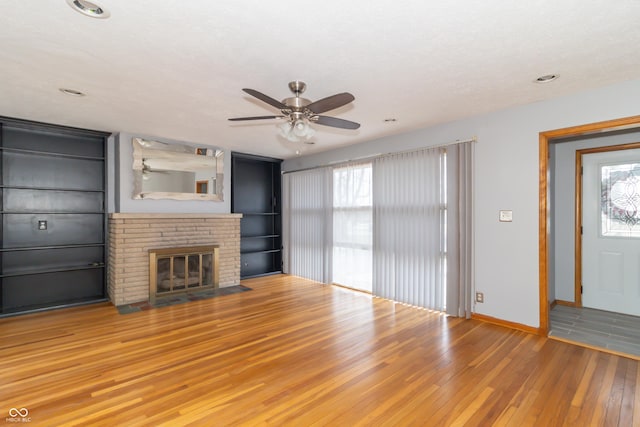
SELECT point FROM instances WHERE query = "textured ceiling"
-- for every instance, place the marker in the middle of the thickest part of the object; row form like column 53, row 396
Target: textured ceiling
column 175, row 68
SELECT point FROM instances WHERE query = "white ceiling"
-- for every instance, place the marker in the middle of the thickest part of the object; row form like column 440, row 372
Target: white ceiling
column 175, row 68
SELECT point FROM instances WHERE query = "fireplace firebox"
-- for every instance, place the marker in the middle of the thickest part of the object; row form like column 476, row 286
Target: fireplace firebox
column 176, row 270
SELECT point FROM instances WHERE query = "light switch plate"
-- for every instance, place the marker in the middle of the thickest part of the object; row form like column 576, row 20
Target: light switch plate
column 506, row 216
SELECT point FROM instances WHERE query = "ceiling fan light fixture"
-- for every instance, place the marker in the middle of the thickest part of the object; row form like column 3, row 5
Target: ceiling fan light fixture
column 300, row 128
column 285, row 129
column 296, row 131
column 310, row 133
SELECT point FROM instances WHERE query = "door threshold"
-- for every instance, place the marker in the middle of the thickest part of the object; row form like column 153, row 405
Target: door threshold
column 593, row 347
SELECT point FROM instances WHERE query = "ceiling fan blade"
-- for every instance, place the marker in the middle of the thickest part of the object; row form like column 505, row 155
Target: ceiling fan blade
column 335, row 122
column 330, row 103
column 237, row 119
column 264, row 98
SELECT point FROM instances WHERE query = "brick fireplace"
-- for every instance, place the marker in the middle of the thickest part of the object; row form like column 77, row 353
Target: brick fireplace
column 132, row 235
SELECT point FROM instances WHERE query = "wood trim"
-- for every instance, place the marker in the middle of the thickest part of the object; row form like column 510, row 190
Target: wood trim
column 565, row 303
column 577, row 234
column 591, row 128
column 607, row 148
column 543, row 238
column 508, row 324
column 553, row 304
column 594, row 347
column 200, row 184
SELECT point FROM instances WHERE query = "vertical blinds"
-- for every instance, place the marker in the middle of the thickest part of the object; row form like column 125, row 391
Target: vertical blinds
column 307, row 224
column 421, row 230
column 459, row 283
column 409, row 211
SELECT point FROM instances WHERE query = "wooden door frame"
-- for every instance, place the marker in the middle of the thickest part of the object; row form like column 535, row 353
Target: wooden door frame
column 578, row 210
column 205, row 183
column 545, row 138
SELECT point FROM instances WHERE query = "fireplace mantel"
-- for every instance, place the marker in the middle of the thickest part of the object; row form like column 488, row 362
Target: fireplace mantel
column 131, row 235
column 135, row 215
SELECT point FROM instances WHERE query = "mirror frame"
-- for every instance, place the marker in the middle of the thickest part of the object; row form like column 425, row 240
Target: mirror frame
column 143, row 148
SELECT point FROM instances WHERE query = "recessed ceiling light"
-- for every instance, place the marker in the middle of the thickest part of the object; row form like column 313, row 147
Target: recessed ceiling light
column 546, row 78
column 72, row 92
column 390, row 120
column 88, row 8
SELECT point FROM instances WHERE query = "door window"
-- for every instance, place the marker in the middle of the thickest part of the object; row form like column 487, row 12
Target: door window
column 620, row 202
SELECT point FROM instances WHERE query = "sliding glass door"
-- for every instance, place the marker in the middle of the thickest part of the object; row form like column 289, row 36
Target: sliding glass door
column 352, row 226
column 399, row 227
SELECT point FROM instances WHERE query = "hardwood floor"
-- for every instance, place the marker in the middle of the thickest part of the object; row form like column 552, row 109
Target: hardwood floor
column 294, row 352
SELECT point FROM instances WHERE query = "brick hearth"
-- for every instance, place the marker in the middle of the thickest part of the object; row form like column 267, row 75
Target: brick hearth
column 131, row 235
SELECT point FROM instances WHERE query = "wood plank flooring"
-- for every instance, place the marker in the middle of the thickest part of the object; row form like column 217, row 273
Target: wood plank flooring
column 294, row 352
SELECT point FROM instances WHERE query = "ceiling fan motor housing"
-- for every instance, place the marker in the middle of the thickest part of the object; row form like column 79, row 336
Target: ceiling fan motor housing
column 297, row 87
column 296, row 103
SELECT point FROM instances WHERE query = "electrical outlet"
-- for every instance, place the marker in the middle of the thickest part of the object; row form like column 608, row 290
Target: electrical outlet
column 479, row 297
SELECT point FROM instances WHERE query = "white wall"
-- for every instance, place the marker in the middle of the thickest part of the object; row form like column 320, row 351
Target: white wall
column 123, row 183
column 563, row 208
column 506, row 177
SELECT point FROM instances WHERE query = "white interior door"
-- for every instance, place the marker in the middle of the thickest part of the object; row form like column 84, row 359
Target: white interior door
column 611, row 231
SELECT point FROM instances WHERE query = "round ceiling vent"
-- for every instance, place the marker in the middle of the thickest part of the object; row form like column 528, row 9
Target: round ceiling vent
column 71, row 92
column 546, row 78
column 88, row 8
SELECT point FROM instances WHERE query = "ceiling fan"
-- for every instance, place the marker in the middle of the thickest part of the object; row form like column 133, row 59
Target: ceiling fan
column 147, row 168
column 299, row 112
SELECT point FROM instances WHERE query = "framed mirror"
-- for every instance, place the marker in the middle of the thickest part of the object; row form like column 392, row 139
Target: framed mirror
column 176, row 171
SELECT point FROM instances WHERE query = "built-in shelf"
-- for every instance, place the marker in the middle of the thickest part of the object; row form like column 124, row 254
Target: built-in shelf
column 53, row 216
column 25, row 272
column 267, row 273
column 268, row 251
column 23, row 187
column 49, row 154
column 260, row 213
column 34, row 308
column 256, row 193
column 270, row 236
column 36, row 248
